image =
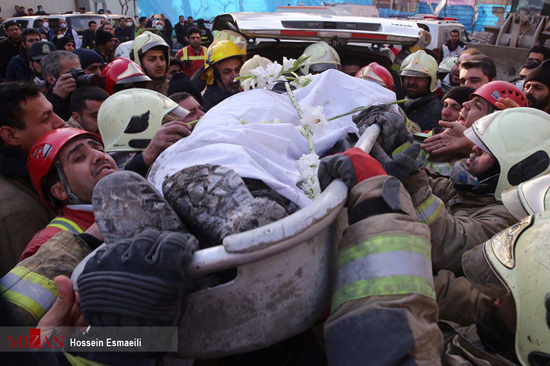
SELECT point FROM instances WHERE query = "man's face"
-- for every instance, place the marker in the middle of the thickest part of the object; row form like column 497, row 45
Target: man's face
column 109, row 46
column 29, row 40
column 451, row 110
column 93, row 27
column 229, row 69
column 35, row 65
column 350, row 69
column 536, row 56
column 61, row 22
column 455, row 37
column 479, row 161
column 95, row 68
column 474, row 77
column 194, row 108
column 88, row 116
column 416, row 87
column 31, row 12
column 14, row 32
column 122, row 23
column 181, row 19
column 473, row 110
column 538, row 95
column 39, row 119
column 154, row 64
column 524, row 72
column 455, row 75
column 85, row 163
column 172, row 70
column 67, row 65
column 39, row 8
column 108, row 28
column 195, row 40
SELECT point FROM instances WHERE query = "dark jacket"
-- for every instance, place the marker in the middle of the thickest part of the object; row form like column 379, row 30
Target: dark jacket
column 8, row 50
column 18, row 68
column 124, row 34
column 181, row 33
column 22, row 214
column 61, row 107
column 425, row 111
column 213, row 96
column 88, row 38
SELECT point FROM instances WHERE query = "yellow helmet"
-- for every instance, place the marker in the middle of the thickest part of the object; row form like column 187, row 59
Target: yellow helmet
column 218, row 52
column 516, row 261
column 321, row 57
column 519, row 139
column 128, row 120
column 144, row 42
column 420, row 65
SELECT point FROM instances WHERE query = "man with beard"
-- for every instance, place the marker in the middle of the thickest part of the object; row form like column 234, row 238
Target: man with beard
column 11, row 46
column 419, row 78
column 537, row 89
column 19, row 66
column 152, row 53
column 39, row 50
column 223, row 64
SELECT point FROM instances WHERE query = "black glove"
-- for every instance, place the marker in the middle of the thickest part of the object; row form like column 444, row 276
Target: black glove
column 394, row 126
column 137, row 282
column 402, row 165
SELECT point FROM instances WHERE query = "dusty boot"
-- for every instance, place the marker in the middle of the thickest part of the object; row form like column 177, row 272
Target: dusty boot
column 214, row 202
column 125, row 204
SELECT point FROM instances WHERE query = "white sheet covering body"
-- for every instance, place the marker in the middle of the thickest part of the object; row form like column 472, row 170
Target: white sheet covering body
column 269, row 151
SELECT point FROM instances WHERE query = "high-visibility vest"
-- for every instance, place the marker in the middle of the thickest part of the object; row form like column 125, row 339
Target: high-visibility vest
column 186, row 57
column 65, row 225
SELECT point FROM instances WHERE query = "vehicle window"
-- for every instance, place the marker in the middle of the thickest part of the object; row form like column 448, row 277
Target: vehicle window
column 24, row 23
column 464, row 35
column 81, row 23
column 37, row 23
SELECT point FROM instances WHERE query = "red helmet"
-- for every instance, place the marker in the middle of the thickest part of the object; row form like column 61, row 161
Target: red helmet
column 496, row 89
column 378, row 74
column 45, row 150
column 122, row 71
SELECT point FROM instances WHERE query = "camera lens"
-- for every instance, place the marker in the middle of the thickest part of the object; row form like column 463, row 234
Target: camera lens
column 89, row 79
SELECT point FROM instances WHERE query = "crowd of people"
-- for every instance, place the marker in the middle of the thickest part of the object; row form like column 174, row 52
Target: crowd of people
column 440, row 263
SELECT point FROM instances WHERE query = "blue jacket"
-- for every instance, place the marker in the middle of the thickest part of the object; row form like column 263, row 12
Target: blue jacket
column 19, row 68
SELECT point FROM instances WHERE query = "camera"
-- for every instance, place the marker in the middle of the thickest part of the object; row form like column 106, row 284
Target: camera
column 83, row 79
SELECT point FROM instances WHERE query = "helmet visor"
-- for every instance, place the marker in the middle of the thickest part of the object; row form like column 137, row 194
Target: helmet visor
column 478, row 270
column 176, row 114
column 318, row 68
column 414, row 74
column 513, row 203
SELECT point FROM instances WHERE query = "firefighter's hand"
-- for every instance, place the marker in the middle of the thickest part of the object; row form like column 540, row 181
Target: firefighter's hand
column 505, row 103
column 137, row 282
column 167, row 135
column 351, row 167
column 65, row 311
column 451, row 140
column 64, row 86
column 402, row 165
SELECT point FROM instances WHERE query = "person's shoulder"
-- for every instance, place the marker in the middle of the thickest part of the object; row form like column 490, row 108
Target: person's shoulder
column 17, row 197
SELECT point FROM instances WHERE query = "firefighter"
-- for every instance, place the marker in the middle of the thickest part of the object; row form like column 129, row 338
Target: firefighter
column 152, row 54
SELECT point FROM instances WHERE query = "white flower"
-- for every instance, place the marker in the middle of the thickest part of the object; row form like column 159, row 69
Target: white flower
column 308, row 165
column 248, row 84
column 314, row 118
column 288, row 63
column 302, row 81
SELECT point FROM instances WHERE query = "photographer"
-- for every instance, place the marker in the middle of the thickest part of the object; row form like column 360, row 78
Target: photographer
column 63, row 75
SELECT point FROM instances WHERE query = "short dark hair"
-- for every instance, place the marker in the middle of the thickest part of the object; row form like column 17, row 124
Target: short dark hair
column 27, row 32
column 175, row 62
column 485, row 63
column 10, row 23
column 92, row 22
column 178, row 97
column 192, row 30
column 545, row 51
column 81, row 95
column 181, row 16
column 12, row 96
column 530, row 64
column 455, row 31
column 141, row 19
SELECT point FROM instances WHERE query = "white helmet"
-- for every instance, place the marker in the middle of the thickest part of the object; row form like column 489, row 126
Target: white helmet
column 321, row 57
column 528, row 198
column 124, row 49
column 516, row 261
column 146, row 41
column 129, row 119
column 519, row 139
column 447, row 65
column 420, row 65
column 253, row 63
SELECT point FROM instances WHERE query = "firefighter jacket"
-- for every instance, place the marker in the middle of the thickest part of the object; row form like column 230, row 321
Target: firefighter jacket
column 458, row 220
column 383, row 304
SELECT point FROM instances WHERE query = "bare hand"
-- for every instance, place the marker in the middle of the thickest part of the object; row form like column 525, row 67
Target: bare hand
column 64, row 86
column 505, row 103
column 451, row 140
column 94, row 231
column 167, row 135
column 65, row 311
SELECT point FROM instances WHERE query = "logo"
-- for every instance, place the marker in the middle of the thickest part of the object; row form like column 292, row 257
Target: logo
column 495, row 94
column 34, row 340
column 46, row 48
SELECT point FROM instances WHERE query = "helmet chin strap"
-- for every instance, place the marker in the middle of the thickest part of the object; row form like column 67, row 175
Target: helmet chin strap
column 72, row 197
